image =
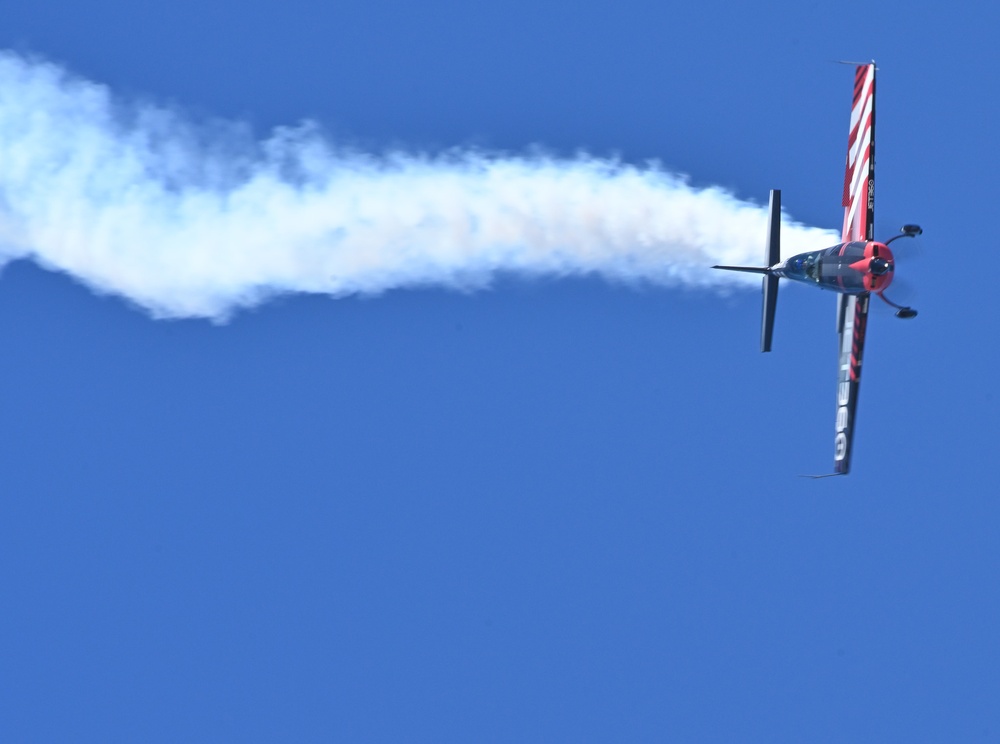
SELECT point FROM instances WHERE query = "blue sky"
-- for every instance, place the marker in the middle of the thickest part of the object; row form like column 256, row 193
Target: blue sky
column 553, row 510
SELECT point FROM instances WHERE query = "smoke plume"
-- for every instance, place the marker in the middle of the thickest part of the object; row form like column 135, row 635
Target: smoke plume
column 191, row 220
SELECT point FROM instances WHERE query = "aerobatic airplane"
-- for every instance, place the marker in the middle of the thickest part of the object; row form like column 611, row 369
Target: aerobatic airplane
column 856, row 269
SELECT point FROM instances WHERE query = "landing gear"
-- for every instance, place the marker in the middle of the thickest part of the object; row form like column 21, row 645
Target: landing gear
column 906, row 231
column 901, row 312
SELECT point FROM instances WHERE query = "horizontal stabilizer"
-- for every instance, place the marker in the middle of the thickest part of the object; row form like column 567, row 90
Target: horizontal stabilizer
column 773, row 256
column 774, row 228
column 770, row 289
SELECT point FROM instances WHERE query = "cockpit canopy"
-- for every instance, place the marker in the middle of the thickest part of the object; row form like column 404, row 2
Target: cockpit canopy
column 804, row 266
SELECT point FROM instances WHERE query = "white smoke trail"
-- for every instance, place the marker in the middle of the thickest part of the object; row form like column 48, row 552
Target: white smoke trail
column 191, row 221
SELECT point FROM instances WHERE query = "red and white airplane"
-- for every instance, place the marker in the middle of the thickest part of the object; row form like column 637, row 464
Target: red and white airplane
column 856, row 269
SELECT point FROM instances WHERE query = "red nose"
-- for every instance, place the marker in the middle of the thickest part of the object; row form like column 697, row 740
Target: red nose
column 878, row 272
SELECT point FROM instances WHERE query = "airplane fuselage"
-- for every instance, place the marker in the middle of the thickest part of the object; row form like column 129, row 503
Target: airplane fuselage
column 849, row 268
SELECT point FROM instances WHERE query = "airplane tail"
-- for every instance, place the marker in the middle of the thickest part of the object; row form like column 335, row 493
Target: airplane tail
column 769, row 287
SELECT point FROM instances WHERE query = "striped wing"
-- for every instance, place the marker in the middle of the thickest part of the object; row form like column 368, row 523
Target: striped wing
column 859, row 176
column 853, row 323
column 859, row 224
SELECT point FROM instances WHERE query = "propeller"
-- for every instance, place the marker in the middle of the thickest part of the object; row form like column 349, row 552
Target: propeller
column 907, row 231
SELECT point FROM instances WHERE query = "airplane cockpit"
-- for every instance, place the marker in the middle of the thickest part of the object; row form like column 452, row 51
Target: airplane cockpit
column 804, row 267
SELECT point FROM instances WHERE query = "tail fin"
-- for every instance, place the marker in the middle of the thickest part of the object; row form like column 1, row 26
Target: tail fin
column 772, row 255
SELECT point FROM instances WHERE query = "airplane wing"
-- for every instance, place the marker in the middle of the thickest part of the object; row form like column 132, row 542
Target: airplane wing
column 859, row 223
column 859, row 177
column 853, row 322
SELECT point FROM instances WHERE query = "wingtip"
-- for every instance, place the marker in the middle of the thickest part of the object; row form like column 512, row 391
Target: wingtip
column 856, row 64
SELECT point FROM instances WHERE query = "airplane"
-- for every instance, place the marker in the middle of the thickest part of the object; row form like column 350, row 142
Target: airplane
column 855, row 269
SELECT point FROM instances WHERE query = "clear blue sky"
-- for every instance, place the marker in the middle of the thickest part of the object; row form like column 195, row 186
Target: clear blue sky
column 551, row 511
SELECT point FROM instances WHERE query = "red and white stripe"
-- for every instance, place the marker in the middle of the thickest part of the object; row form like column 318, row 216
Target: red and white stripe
column 860, row 173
